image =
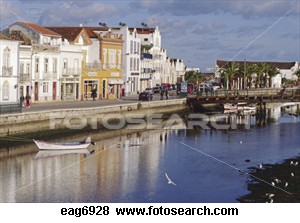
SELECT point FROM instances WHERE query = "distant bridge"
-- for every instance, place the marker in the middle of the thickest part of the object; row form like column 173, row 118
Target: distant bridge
column 244, row 96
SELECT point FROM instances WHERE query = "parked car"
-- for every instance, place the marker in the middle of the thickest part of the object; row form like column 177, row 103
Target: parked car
column 205, row 88
column 149, row 89
column 145, row 96
column 156, row 89
column 167, row 85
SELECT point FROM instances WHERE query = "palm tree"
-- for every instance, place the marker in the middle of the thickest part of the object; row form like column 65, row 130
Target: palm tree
column 262, row 70
column 297, row 74
column 193, row 76
column 249, row 70
column 273, row 71
column 229, row 72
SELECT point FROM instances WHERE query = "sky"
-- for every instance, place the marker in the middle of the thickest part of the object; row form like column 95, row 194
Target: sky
column 199, row 32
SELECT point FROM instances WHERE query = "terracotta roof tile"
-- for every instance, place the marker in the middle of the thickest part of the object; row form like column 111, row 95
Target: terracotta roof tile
column 39, row 29
column 69, row 33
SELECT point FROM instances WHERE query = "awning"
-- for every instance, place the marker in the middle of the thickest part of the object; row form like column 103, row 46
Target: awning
column 115, row 81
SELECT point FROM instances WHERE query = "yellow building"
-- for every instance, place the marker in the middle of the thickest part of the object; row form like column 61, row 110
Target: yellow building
column 105, row 77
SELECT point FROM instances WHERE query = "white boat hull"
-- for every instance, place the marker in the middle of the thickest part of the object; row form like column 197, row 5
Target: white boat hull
column 60, row 146
column 50, row 153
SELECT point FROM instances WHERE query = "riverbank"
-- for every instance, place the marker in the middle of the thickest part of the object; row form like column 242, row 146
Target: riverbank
column 82, row 118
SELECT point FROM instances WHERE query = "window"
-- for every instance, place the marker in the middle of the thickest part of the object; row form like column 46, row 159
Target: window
column 6, row 57
column 138, row 48
column 36, row 67
column 54, row 65
column 104, row 59
column 112, row 58
column 134, row 63
column 145, row 39
column 28, row 68
column 5, row 91
column 131, row 64
column 45, row 87
column 134, row 48
column 131, row 47
column 21, row 68
column 46, row 65
column 65, row 65
column 76, row 65
column 119, row 59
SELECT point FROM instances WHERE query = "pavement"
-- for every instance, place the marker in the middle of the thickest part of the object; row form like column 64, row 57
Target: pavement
column 56, row 105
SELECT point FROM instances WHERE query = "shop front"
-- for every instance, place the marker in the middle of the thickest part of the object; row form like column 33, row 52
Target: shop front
column 114, row 88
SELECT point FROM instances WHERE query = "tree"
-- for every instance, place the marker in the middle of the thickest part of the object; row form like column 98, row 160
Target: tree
column 297, row 74
column 193, row 76
column 250, row 70
column 262, row 71
column 229, row 72
column 273, row 71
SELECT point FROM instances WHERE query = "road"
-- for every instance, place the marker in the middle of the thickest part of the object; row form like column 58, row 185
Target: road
column 48, row 106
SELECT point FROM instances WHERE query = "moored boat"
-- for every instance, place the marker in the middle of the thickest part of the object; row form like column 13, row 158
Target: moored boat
column 43, row 145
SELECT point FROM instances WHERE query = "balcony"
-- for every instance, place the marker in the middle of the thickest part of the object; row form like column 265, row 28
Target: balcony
column 71, row 72
column 92, row 66
column 7, row 71
column 24, row 77
column 49, row 76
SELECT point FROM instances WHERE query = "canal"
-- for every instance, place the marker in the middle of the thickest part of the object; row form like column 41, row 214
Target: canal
column 207, row 165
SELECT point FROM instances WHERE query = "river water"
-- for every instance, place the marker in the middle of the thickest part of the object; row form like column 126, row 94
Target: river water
column 206, row 166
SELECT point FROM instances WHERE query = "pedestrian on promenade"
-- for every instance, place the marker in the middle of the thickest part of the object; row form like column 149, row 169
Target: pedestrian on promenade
column 161, row 93
column 27, row 100
column 94, row 94
column 167, row 94
column 22, row 99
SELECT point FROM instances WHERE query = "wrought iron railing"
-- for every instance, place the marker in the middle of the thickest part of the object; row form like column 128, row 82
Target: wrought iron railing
column 7, row 71
column 10, row 108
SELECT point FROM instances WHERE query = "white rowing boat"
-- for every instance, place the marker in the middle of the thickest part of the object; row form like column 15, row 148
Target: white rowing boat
column 43, row 145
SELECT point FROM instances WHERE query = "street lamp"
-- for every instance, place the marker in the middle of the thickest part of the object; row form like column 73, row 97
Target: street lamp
column 244, row 74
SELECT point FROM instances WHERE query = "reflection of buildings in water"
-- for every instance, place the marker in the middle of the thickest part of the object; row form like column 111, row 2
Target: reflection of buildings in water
column 274, row 113
column 142, row 151
column 291, row 108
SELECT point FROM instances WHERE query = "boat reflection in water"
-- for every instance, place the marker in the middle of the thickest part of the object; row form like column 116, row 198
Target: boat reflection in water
column 51, row 153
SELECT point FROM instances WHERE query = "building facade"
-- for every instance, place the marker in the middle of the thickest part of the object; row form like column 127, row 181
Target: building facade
column 131, row 70
column 44, row 56
column 9, row 72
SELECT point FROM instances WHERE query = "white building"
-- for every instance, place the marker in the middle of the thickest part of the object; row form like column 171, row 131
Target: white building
column 45, row 55
column 151, row 43
column 131, row 59
column 9, row 72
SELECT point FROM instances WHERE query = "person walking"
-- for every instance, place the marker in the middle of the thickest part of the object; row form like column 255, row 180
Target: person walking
column 161, row 93
column 27, row 100
column 167, row 94
column 22, row 99
column 94, row 94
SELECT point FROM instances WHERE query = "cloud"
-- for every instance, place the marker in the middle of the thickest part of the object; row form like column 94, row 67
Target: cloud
column 73, row 13
column 209, row 27
column 7, row 10
column 247, row 9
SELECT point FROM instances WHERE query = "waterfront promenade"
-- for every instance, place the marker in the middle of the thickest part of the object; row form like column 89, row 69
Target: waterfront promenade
column 40, row 115
column 58, row 105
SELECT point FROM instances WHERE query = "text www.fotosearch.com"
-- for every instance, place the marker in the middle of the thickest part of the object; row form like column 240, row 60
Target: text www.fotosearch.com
column 151, row 210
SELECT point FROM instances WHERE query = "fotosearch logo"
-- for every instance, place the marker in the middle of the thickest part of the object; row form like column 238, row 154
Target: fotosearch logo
column 153, row 121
